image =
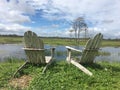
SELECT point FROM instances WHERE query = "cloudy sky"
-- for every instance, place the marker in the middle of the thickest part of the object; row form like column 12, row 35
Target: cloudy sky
column 54, row 17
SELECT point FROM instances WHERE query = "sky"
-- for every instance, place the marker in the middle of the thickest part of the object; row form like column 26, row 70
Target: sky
column 55, row 17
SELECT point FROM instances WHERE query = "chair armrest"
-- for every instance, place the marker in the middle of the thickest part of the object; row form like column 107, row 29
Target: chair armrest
column 33, row 49
column 70, row 48
column 69, row 53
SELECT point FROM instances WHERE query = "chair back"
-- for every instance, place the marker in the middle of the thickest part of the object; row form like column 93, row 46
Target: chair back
column 91, row 49
column 34, row 48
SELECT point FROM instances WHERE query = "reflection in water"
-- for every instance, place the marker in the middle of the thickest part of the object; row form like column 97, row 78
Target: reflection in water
column 11, row 50
column 114, row 54
column 15, row 50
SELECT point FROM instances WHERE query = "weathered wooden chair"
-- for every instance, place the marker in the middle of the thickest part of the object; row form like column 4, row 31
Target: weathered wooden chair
column 35, row 52
column 88, row 53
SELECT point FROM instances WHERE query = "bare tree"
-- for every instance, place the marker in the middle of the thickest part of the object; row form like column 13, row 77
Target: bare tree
column 78, row 26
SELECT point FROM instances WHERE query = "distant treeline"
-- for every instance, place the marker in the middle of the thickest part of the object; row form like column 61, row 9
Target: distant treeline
column 80, row 38
column 15, row 35
column 11, row 35
column 117, row 39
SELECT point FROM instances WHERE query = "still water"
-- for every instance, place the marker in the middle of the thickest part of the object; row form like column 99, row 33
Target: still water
column 15, row 50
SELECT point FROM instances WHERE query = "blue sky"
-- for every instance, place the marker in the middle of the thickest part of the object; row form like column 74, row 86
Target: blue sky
column 54, row 17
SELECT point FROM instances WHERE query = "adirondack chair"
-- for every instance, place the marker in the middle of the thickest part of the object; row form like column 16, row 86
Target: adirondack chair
column 34, row 49
column 88, row 53
column 35, row 52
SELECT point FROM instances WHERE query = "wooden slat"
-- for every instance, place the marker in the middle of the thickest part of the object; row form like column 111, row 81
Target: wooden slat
column 81, row 67
column 47, row 59
column 85, row 53
column 68, row 47
column 34, row 49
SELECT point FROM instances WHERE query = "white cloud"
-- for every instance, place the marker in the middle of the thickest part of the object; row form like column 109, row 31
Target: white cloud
column 13, row 29
column 50, row 32
column 13, row 17
column 104, row 14
column 99, row 12
column 13, row 14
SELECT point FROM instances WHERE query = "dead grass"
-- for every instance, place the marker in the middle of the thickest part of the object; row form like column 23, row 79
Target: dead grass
column 21, row 82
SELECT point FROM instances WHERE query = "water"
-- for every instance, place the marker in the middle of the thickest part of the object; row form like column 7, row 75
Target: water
column 114, row 54
column 15, row 50
column 11, row 50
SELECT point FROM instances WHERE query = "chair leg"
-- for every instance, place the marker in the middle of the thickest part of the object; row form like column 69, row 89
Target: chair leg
column 85, row 70
column 20, row 68
column 48, row 64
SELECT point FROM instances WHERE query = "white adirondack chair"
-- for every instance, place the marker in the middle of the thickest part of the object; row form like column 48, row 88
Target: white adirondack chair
column 35, row 52
column 88, row 53
column 34, row 49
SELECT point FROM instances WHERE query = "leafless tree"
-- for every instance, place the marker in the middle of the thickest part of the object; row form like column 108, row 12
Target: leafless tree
column 79, row 25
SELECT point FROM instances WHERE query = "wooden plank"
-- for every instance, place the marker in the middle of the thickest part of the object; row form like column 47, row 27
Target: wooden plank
column 47, row 59
column 68, row 47
column 48, row 64
column 33, row 49
column 100, row 41
column 82, row 68
column 95, row 40
column 41, row 44
column 69, row 56
column 85, row 53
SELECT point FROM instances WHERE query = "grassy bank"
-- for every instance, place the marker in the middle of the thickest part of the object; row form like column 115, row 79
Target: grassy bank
column 61, row 76
column 113, row 43
column 10, row 40
column 58, row 41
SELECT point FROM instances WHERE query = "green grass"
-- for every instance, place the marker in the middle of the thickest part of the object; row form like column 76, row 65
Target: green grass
column 62, row 76
column 10, row 40
column 58, row 41
column 7, row 69
column 111, row 43
column 104, row 53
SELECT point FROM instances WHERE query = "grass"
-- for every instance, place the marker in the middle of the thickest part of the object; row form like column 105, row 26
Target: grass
column 10, row 40
column 63, row 76
column 57, row 41
column 7, row 69
column 111, row 43
column 104, row 53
